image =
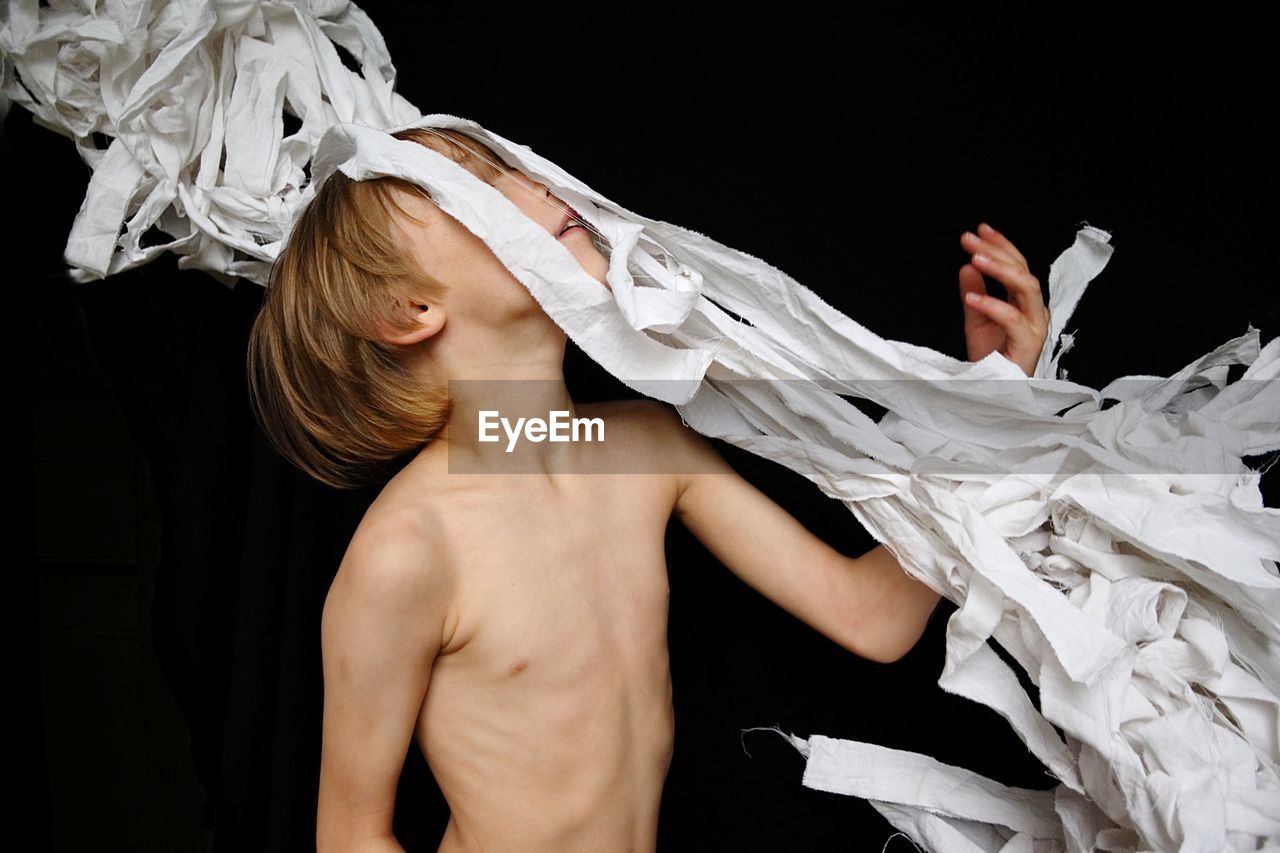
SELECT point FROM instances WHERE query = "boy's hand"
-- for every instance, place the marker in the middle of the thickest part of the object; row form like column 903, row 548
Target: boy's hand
column 1016, row 328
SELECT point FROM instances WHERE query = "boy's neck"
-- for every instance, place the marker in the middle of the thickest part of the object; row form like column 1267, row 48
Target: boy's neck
column 480, row 406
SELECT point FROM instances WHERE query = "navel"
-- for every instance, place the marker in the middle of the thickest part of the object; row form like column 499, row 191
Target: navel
column 518, row 665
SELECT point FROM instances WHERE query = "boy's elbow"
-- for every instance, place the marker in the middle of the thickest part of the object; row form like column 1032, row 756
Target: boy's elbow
column 866, row 647
column 890, row 644
column 894, row 655
column 919, row 604
column 880, row 655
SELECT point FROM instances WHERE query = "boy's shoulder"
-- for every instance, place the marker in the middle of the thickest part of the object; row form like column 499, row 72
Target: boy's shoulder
column 401, row 535
column 396, row 557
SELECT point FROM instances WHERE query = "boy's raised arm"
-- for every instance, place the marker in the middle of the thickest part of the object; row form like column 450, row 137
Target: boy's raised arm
column 383, row 625
column 867, row 604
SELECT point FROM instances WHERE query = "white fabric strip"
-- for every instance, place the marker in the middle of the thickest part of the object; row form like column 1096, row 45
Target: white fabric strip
column 1112, row 541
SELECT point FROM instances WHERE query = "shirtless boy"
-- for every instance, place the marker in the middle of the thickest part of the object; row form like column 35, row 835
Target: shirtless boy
column 514, row 625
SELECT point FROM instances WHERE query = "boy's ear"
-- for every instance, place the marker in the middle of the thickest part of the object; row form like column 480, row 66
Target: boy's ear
column 427, row 320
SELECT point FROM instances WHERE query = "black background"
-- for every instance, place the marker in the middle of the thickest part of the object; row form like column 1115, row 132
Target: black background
column 849, row 149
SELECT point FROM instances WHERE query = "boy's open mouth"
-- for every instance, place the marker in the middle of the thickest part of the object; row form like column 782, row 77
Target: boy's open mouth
column 572, row 220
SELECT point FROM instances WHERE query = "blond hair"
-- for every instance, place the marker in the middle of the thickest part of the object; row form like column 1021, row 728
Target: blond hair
column 329, row 394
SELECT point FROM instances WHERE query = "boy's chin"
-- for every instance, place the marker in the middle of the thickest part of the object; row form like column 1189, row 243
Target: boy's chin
column 598, row 268
column 599, row 273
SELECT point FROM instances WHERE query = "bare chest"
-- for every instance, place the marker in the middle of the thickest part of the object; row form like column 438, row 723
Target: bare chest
column 561, row 586
column 553, row 702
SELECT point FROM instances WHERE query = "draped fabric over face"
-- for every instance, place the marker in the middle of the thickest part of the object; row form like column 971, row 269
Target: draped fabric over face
column 1111, row 540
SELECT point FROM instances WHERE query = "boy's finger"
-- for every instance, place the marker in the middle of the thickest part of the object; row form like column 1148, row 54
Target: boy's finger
column 1018, row 332
column 990, row 234
column 971, row 243
column 1021, row 284
column 1008, row 316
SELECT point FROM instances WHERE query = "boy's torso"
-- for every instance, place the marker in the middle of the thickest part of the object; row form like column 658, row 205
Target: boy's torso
column 548, row 719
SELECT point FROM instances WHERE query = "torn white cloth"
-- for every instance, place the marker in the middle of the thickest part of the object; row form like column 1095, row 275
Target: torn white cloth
column 1112, row 541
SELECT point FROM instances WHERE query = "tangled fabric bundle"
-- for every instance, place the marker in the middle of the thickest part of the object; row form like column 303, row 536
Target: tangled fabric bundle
column 192, row 95
column 1112, row 541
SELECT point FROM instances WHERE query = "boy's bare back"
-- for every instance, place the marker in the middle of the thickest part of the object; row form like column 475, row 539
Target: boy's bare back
column 531, row 612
